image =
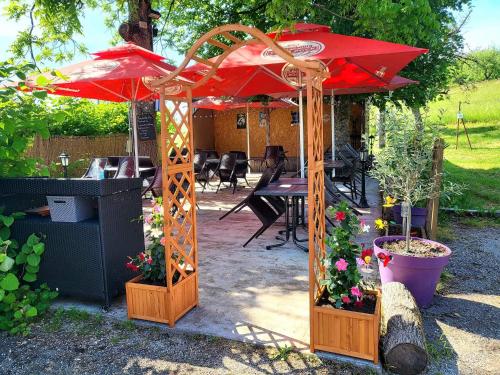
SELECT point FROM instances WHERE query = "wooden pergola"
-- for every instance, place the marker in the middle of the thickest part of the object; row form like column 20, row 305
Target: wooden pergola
column 177, row 167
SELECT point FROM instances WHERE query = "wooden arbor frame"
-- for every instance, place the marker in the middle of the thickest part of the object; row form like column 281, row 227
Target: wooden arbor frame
column 179, row 199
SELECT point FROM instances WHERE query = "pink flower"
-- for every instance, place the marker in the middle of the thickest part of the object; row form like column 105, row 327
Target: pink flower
column 162, row 241
column 356, row 292
column 340, row 216
column 148, row 219
column 346, row 299
column 157, row 208
column 341, row 264
column 150, row 260
column 360, row 262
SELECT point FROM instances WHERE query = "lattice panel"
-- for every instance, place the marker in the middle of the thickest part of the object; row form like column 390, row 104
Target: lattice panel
column 316, row 181
column 179, row 198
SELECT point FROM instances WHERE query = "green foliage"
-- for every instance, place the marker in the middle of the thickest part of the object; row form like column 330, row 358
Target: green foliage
column 341, row 278
column 282, row 353
column 19, row 265
column 20, row 121
column 79, row 117
column 477, row 66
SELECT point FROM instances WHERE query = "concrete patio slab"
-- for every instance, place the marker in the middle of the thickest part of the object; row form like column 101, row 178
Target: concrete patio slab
column 248, row 294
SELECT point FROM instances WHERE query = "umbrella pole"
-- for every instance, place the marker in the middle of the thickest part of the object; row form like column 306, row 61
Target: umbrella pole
column 136, row 145
column 248, row 137
column 301, row 136
column 332, row 119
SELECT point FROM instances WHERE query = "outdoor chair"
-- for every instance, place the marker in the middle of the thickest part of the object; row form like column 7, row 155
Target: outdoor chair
column 241, row 165
column 346, row 176
column 126, row 167
column 201, row 169
column 265, row 212
column 273, row 155
column 226, row 171
column 264, row 180
column 155, row 184
column 280, row 168
column 96, row 166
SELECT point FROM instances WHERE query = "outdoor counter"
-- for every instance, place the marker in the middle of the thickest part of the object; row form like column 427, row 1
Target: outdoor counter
column 85, row 259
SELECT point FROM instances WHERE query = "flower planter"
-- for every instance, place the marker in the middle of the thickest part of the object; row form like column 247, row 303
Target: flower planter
column 419, row 274
column 157, row 304
column 418, row 216
column 346, row 332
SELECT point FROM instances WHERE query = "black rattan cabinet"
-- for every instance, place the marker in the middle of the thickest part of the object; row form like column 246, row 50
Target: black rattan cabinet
column 84, row 260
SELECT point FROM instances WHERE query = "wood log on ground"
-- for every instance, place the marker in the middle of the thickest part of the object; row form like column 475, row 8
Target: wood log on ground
column 401, row 331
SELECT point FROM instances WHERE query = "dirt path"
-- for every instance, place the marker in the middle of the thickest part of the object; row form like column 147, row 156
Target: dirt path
column 462, row 325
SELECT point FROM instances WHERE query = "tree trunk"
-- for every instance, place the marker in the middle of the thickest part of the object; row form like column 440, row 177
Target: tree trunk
column 139, row 30
column 381, row 128
column 268, row 126
column 418, row 119
column 401, row 331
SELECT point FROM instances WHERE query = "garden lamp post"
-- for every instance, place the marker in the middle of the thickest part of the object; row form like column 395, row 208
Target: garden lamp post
column 64, row 162
column 363, row 157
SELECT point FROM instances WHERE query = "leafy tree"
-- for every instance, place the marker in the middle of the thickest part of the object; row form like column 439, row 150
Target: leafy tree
column 20, row 121
column 479, row 65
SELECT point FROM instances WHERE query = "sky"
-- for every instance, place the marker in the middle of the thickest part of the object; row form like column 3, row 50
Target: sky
column 482, row 30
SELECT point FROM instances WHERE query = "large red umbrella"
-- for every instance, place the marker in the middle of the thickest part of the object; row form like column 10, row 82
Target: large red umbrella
column 117, row 74
column 351, row 61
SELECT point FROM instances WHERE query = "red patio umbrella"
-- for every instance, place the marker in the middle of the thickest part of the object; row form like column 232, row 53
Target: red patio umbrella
column 351, row 61
column 116, row 74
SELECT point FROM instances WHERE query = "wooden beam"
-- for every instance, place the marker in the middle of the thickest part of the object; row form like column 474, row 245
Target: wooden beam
column 433, row 204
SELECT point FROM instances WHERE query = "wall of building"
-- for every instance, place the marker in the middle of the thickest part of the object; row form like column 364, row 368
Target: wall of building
column 203, row 129
column 227, row 137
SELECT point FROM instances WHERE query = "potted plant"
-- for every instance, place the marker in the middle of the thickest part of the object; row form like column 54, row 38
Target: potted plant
column 404, row 171
column 149, row 294
column 347, row 314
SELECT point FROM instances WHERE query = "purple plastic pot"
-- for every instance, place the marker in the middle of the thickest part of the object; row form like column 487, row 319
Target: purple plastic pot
column 418, row 216
column 419, row 275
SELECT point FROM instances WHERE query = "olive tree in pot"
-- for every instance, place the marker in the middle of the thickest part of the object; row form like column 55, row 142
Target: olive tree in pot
column 404, row 171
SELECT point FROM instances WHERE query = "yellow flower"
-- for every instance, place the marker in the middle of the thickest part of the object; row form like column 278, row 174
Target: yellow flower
column 368, row 259
column 389, row 201
column 380, row 224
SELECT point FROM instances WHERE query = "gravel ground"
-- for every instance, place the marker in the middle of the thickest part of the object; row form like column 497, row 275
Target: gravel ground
column 462, row 325
column 80, row 343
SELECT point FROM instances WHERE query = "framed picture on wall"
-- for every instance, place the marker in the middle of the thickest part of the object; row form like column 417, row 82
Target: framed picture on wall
column 295, row 118
column 263, row 119
column 241, row 121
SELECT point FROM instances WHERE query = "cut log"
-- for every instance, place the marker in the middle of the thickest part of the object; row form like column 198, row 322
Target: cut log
column 401, row 331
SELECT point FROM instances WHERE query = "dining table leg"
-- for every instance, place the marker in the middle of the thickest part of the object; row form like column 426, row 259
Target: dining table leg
column 295, row 209
column 287, row 227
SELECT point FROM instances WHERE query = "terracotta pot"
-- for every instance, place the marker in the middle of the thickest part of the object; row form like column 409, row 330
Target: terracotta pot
column 420, row 275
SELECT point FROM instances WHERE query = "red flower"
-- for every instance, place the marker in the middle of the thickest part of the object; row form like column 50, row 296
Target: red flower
column 131, row 266
column 366, row 253
column 359, row 303
column 340, row 215
column 385, row 258
column 150, row 260
column 141, row 256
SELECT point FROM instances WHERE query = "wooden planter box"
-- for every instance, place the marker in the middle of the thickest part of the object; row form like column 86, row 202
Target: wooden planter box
column 347, row 332
column 155, row 303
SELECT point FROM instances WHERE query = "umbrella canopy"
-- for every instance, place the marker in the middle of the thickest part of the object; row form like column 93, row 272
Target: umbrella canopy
column 396, row 83
column 220, row 104
column 351, row 61
column 116, row 74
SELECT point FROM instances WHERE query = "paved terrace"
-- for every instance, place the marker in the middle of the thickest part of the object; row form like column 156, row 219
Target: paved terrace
column 248, row 294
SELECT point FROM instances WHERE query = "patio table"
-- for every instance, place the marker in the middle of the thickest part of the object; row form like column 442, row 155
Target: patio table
column 291, row 193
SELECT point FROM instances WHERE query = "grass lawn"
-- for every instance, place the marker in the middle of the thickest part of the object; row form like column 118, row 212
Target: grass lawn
column 479, row 168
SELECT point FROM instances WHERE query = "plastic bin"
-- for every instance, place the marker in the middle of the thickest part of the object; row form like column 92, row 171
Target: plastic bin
column 70, row 209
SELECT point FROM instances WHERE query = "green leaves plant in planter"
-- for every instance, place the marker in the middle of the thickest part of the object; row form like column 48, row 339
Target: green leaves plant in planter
column 19, row 266
column 404, row 172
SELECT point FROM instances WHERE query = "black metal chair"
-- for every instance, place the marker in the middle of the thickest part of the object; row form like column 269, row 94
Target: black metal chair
column 226, row 171
column 273, row 155
column 201, row 169
column 264, row 180
column 241, row 165
column 96, row 166
column 126, row 167
column 266, row 212
column 347, row 175
column 155, row 184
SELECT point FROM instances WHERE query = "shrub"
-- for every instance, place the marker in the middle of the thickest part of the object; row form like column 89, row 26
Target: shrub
column 19, row 266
